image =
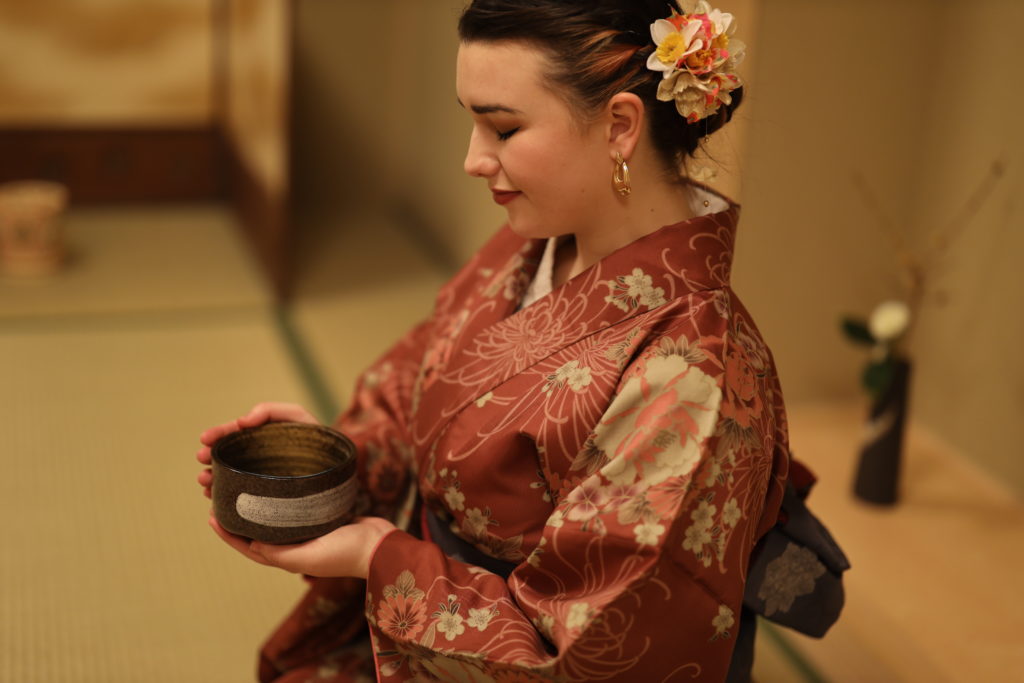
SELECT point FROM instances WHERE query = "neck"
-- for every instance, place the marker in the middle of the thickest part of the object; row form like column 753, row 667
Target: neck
column 651, row 206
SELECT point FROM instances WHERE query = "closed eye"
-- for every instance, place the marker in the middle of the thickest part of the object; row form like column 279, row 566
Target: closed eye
column 507, row 134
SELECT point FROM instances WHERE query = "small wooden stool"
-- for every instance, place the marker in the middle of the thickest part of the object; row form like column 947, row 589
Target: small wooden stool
column 30, row 228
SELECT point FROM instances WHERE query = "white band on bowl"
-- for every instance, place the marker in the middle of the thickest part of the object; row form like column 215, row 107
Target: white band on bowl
column 318, row 508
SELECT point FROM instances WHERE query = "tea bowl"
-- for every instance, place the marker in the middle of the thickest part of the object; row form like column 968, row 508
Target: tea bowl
column 283, row 482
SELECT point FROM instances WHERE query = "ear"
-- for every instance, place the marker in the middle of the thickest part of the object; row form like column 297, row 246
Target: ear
column 626, row 115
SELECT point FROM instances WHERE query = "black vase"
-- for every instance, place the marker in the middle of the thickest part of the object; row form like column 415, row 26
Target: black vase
column 878, row 473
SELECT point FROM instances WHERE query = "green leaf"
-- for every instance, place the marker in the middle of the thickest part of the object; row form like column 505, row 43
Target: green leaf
column 857, row 331
column 878, row 375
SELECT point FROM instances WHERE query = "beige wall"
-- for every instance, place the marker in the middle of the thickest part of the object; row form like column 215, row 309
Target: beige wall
column 377, row 116
column 970, row 368
column 258, row 63
column 922, row 122
column 897, row 93
column 810, row 249
column 105, row 62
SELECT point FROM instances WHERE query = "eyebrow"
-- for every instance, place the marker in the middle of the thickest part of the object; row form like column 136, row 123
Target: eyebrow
column 490, row 108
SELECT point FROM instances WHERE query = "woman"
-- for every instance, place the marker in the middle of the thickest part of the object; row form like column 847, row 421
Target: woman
column 569, row 463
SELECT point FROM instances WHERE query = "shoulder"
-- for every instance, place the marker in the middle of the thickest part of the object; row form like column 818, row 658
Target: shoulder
column 709, row 337
column 502, row 256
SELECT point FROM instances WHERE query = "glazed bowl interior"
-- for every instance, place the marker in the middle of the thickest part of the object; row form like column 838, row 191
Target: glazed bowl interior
column 282, row 451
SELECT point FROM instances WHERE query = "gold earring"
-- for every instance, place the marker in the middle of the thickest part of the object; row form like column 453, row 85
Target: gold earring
column 620, row 178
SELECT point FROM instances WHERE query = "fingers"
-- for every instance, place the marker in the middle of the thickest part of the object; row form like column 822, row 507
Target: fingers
column 205, row 478
column 291, row 558
column 276, row 412
column 204, row 456
column 261, row 413
column 211, row 435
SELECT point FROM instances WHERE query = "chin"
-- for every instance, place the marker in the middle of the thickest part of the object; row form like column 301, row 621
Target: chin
column 534, row 231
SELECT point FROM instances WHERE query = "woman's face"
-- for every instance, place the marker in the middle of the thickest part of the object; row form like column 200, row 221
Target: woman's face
column 551, row 173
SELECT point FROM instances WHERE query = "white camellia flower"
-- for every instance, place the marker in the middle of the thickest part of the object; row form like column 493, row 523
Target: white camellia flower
column 889, row 320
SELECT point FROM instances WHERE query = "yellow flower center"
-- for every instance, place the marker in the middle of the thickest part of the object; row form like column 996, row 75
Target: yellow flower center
column 722, row 42
column 701, row 59
column 671, row 49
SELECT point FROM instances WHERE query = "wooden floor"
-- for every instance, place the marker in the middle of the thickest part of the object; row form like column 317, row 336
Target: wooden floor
column 936, row 592
column 161, row 326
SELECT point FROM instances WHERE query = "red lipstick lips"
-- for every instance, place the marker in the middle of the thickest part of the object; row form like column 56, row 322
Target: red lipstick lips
column 503, row 198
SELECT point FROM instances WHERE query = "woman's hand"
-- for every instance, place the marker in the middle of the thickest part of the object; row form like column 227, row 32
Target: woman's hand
column 260, row 414
column 346, row 551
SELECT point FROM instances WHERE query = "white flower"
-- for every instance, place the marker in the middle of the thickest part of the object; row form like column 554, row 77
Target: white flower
column 697, row 535
column 636, row 289
column 450, row 624
column 697, row 56
column 889, row 320
column 673, row 44
column 731, row 513
column 455, row 498
column 557, row 519
column 694, row 391
column 648, row 533
column 545, row 623
column 476, row 522
column 480, row 618
column 578, row 378
column 579, row 615
column 704, row 515
column 724, row 621
column 637, row 283
column 714, row 472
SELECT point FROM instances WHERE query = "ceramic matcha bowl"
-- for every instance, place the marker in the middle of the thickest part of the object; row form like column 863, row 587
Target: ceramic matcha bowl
column 283, row 482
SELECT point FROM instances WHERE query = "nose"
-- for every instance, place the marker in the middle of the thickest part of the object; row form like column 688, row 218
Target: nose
column 480, row 160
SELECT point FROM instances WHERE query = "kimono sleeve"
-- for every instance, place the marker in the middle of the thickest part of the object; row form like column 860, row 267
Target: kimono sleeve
column 640, row 571
column 329, row 616
column 376, row 421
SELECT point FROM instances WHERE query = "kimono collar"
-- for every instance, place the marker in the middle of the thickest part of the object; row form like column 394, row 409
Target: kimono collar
column 485, row 337
column 542, row 283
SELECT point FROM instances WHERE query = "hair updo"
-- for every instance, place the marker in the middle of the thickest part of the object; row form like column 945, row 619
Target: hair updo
column 598, row 48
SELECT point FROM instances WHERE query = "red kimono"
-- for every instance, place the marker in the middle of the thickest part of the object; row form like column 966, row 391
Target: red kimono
column 622, row 441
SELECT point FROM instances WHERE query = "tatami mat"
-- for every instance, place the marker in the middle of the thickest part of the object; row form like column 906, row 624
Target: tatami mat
column 159, row 327
column 362, row 285
column 141, row 258
column 109, row 571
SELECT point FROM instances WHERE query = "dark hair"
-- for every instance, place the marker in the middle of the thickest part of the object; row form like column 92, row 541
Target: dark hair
column 598, row 48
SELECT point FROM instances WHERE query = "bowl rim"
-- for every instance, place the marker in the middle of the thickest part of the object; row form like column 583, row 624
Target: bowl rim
column 234, row 436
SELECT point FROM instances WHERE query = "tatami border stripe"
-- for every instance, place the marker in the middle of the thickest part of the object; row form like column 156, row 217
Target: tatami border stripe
column 799, row 662
column 325, row 404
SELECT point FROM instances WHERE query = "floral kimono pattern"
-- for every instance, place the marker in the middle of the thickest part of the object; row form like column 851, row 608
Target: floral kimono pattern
column 621, row 441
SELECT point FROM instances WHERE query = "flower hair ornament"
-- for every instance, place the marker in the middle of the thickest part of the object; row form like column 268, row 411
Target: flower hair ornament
column 697, row 56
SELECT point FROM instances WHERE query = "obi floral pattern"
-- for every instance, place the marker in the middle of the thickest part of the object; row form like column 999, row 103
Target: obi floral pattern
column 620, row 442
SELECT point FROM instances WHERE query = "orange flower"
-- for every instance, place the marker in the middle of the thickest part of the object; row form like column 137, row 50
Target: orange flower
column 400, row 617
